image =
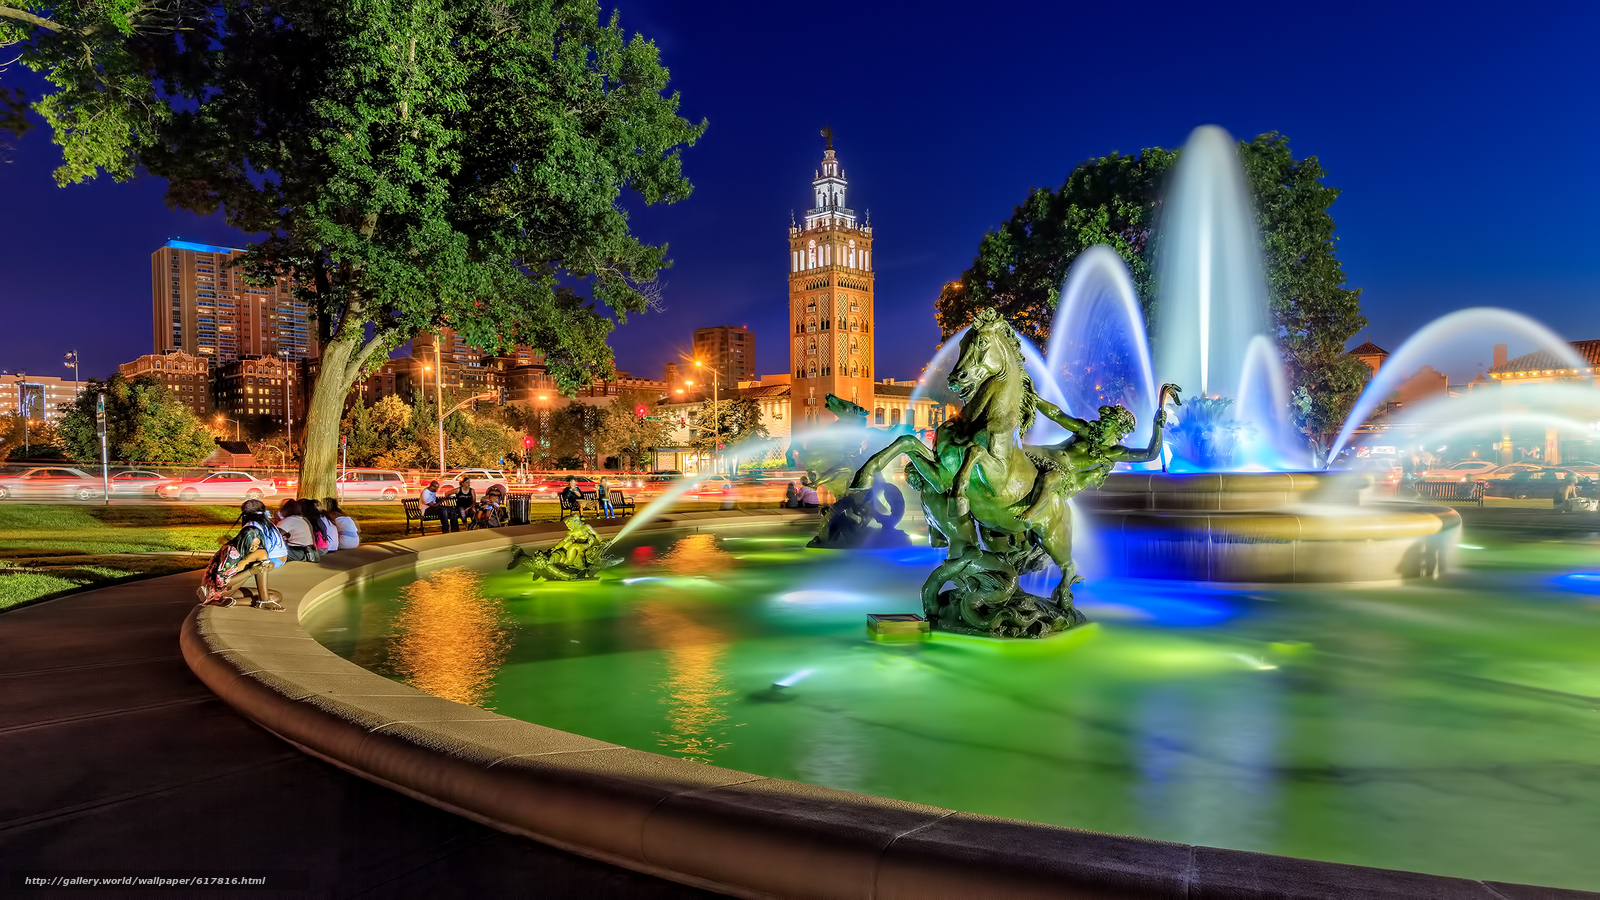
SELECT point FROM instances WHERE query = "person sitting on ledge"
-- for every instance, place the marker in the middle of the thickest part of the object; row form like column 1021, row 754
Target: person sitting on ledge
column 297, row 532
column 434, row 507
column 808, row 496
column 791, row 497
column 257, row 549
column 349, row 534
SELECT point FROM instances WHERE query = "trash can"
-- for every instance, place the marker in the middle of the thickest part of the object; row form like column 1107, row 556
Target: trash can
column 519, row 504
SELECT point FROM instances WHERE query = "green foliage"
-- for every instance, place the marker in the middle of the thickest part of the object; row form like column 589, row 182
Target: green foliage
column 573, row 435
column 145, row 422
column 624, row 436
column 1112, row 200
column 1116, row 199
column 726, row 422
column 412, row 165
column 43, row 439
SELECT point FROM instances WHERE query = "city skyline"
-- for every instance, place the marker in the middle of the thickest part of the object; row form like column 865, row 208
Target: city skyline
column 1417, row 118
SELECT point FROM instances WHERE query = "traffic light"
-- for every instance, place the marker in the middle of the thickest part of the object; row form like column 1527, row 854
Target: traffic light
column 527, row 442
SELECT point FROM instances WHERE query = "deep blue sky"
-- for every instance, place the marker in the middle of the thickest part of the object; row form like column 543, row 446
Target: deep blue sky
column 1461, row 136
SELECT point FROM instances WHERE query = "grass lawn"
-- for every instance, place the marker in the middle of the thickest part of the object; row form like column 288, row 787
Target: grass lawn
column 49, row 550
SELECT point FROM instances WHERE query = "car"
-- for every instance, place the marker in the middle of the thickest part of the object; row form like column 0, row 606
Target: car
column 1465, row 470
column 482, row 479
column 1537, row 482
column 218, row 486
column 548, row 488
column 49, row 483
column 1582, row 466
column 371, row 484
column 1386, row 472
column 138, row 483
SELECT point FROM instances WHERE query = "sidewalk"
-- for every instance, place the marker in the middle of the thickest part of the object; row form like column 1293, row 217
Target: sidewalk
column 117, row 758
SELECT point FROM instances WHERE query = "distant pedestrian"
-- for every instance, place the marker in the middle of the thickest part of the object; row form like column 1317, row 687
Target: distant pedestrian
column 349, row 534
column 603, row 493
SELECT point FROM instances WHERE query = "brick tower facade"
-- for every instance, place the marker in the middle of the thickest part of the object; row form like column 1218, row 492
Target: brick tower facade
column 830, row 301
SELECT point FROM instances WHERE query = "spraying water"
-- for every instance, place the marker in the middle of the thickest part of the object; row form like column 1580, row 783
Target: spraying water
column 1477, row 323
column 1099, row 352
column 1213, row 293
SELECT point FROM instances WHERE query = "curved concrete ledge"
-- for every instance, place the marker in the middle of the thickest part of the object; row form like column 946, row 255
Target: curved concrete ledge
column 730, row 831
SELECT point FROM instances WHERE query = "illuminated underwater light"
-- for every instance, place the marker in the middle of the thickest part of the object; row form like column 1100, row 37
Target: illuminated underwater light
column 1469, row 547
column 792, row 680
column 641, row 578
column 816, row 596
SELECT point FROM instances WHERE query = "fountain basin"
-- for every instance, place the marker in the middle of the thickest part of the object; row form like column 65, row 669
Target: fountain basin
column 1265, row 528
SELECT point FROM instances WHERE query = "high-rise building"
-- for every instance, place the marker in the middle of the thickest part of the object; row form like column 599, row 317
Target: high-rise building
column 188, row 376
column 203, row 306
column 730, row 349
column 830, row 301
column 252, row 390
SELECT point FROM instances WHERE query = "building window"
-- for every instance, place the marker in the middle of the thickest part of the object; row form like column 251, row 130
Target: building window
column 894, row 416
column 877, row 416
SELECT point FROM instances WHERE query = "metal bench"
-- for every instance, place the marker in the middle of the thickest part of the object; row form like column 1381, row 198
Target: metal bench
column 1451, row 491
column 622, row 503
column 413, row 508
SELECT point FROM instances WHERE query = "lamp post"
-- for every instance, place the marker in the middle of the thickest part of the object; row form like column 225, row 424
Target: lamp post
column 288, row 408
column 438, row 400
column 223, row 418
column 72, row 360
column 23, row 409
column 716, row 410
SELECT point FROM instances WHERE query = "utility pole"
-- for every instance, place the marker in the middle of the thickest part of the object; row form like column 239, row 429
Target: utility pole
column 288, row 408
column 716, row 412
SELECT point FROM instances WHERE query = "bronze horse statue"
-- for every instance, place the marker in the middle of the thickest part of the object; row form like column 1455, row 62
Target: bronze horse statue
column 1001, row 506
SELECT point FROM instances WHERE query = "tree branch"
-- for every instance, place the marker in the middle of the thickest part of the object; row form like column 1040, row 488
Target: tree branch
column 9, row 12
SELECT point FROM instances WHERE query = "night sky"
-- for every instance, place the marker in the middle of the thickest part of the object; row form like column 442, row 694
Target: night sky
column 1462, row 139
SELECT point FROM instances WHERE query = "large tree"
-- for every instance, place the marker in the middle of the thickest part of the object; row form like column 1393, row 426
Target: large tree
column 1116, row 200
column 145, row 422
column 453, row 163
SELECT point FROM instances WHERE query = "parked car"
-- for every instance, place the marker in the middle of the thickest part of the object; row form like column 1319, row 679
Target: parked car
column 48, row 483
column 1386, row 472
column 1466, row 470
column 371, row 484
column 1529, row 481
column 138, row 483
column 1582, row 466
column 482, row 479
column 217, row 486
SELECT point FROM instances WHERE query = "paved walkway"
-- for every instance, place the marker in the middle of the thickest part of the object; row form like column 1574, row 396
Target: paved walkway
column 115, row 757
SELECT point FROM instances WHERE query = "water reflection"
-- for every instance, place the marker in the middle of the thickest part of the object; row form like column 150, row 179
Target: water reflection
column 695, row 686
column 696, row 554
column 448, row 638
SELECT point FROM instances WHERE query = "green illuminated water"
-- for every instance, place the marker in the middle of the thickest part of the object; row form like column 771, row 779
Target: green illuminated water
column 1448, row 728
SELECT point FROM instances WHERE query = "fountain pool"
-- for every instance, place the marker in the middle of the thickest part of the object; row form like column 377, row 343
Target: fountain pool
column 1448, row 727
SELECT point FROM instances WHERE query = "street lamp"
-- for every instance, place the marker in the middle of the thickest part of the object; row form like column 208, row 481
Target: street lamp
column 288, row 409
column 72, row 360
column 716, row 409
column 222, row 418
column 438, row 400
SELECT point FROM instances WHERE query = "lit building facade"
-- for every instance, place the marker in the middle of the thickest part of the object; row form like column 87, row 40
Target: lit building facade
column 252, row 391
column 203, row 306
column 730, row 349
column 39, row 397
column 187, row 375
column 830, row 301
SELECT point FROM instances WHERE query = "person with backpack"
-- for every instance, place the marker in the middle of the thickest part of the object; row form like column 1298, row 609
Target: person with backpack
column 324, row 533
column 257, row 549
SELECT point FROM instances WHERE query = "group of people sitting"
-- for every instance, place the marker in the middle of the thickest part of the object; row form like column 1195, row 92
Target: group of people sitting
column 454, row 505
column 803, row 496
column 572, row 498
column 304, row 530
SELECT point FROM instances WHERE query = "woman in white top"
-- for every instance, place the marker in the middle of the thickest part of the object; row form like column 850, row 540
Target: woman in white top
column 296, row 532
column 322, row 522
column 349, row 534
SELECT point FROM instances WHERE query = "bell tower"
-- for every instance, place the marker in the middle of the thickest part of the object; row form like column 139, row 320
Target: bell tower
column 830, row 300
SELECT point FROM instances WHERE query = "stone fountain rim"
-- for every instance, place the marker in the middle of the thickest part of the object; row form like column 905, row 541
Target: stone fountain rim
column 729, row 831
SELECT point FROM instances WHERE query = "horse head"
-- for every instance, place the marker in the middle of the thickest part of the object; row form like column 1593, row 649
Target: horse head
column 991, row 355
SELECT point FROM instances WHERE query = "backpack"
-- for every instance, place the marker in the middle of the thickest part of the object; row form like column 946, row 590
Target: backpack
column 320, row 537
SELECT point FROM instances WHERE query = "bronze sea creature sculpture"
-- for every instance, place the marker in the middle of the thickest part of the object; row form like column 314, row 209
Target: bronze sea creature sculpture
column 999, row 506
column 579, row 555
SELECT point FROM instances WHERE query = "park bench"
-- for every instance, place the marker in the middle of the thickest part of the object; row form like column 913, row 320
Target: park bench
column 1452, row 491
column 414, row 514
column 622, row 503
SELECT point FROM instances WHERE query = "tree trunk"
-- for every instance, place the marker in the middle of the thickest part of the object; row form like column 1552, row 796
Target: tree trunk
column 319, row 459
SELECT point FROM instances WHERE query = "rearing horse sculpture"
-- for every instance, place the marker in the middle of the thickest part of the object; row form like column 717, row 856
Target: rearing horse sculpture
column 1000, row 505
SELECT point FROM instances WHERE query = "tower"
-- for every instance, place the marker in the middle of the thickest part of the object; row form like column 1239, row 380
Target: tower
column 830, row 300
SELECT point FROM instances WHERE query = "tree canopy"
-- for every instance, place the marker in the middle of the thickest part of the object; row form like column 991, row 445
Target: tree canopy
column 1116, row 200
column 145, row 422
column 455, row 163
